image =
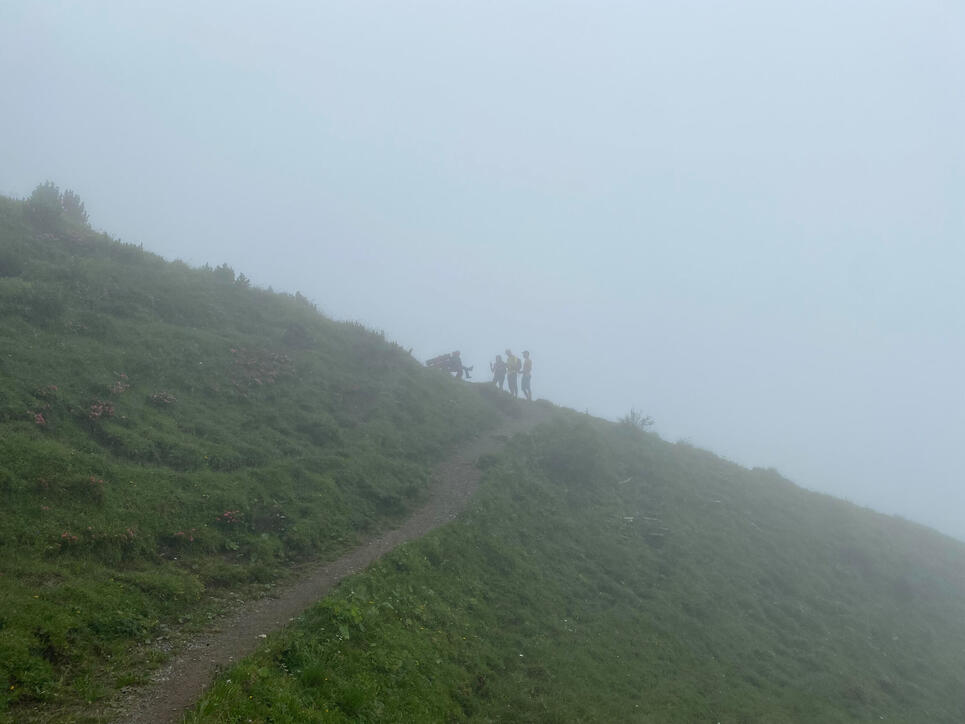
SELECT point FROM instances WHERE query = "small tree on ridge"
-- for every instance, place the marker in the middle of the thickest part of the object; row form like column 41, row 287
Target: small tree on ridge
column 49, row 210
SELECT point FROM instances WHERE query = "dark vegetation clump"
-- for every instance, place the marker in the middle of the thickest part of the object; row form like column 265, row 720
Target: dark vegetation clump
column 602, row 576
column 51, row 211
column 168, row 434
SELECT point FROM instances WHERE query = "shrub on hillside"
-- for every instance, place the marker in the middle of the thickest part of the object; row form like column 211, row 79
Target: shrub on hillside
column 43, row 208
column 636, row 420
column 73, row 207
column 224, row 273
column 50, row 210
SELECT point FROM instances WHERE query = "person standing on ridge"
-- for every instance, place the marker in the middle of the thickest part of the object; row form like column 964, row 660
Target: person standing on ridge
column 456, row 366
column 512, row 370
column 527, row 375
column 499, row 372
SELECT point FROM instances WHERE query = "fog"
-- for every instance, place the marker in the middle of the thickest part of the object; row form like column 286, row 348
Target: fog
column 744, row 219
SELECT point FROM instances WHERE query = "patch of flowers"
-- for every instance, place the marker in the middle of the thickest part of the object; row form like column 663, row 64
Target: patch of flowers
column 119, row 387
column 163, row 398
column 186, row 535
column 41, row 416
column 45, row 391
column 230, row 517
column 95, row 539
column 99, row 409
column 90, row 489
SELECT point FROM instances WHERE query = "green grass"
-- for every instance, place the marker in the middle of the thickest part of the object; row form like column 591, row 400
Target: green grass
column 604, row 575
column 167, row 433
column 171, row 437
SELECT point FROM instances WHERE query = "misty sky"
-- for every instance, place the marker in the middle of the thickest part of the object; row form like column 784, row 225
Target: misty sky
column 746, row 219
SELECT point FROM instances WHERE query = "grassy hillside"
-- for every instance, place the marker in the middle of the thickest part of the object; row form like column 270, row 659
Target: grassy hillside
column 167, row 434
column 605, row 575
column 170, row 437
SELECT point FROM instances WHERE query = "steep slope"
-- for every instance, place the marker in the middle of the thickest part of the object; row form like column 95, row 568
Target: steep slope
column 168, row 434
column 604, row 575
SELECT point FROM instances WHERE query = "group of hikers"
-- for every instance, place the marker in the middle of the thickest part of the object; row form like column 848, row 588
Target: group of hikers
column 504, row 371
column 508, row 370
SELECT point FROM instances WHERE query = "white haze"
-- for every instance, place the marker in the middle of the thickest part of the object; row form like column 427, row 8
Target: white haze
column 745, row 219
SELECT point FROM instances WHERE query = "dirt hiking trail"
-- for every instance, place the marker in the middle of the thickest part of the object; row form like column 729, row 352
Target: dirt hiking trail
column 177, row 685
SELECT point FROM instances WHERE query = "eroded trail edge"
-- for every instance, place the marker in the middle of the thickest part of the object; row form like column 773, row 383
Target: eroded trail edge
column 181, row 681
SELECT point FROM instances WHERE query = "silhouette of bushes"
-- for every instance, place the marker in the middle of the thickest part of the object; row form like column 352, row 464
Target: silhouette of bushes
column 52, row 211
